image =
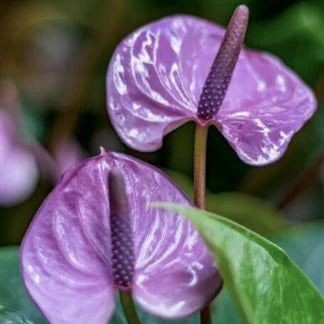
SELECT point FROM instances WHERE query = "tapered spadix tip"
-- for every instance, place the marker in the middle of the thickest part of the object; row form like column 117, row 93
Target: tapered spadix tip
column 102, row 150
column 239, row 20
column 116, row 175
column 240, row 17
column 220, row 74
column 117, row 189
column 242, row 8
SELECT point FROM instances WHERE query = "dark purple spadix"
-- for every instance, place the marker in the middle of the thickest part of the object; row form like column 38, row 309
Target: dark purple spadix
column 221, row 71
column 122, row 243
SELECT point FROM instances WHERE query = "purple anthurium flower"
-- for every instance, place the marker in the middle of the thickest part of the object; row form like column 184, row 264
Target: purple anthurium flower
column 18, row 167
column 181, row 68
column 96, row 234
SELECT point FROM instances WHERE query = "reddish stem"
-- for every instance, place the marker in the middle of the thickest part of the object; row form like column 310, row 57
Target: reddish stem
column 200, row 190
column 200, row 166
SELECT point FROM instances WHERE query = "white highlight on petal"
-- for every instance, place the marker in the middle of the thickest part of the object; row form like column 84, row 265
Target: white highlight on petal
column 119, row 72
column 281, row 83
column 175, row 44
column 261, row 86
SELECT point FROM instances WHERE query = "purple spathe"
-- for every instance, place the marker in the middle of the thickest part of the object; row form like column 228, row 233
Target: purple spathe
column 66, row 254
column 155, row 80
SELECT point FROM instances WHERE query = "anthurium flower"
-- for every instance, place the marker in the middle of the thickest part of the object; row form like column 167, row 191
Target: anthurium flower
column 183, row 68
column 96, row 234
column 18, row 167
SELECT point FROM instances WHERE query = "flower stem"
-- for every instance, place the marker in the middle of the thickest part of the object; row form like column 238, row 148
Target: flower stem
column 200, row 189
column 200, row 166
column 129, row 307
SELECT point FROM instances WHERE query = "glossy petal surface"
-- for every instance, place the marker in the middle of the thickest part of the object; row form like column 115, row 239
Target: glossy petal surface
column 155, row 80
column 66, row 254
column 18, row 169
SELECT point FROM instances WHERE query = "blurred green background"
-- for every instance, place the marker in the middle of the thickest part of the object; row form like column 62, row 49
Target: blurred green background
column 53, row 61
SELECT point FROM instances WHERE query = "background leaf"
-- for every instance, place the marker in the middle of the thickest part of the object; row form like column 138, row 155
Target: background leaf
column 267, row 286
column 15, row 305
column 252, row 212
column 305, row 245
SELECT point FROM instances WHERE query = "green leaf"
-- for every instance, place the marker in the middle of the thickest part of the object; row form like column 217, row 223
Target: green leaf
column 15, row 305
column 7, row 317
column 266, row 285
